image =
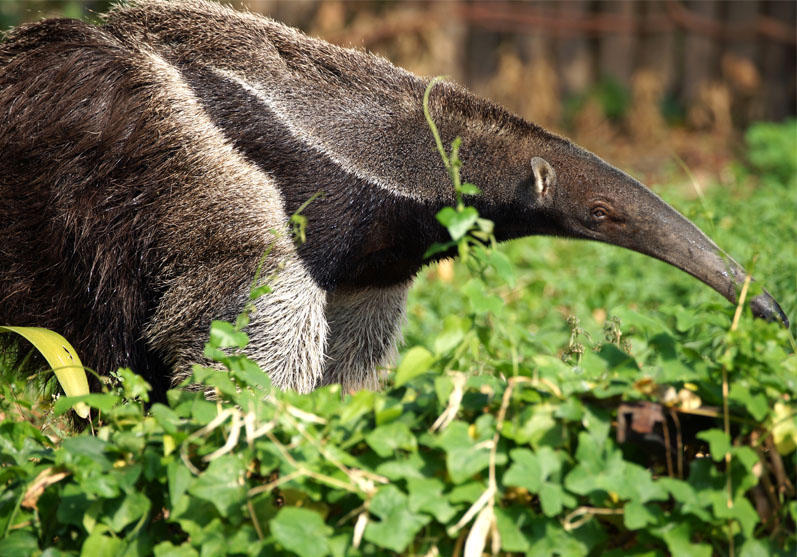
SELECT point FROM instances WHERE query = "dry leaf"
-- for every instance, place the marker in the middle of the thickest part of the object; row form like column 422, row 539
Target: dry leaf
column 477, row 538
column 359, row 529
column 46, row 478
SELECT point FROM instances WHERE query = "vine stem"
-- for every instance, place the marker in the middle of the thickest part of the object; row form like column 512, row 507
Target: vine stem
column 738, row 313
column 583, row 514
column 726, row 413
column 427, row 114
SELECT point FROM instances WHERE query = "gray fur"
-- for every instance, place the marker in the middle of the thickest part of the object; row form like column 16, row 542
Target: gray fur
column 364, row 327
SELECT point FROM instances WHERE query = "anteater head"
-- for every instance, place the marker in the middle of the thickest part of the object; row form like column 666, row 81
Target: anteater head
column 546, row 185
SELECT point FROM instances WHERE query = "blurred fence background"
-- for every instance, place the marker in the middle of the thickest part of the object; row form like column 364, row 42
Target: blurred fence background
column 620, row 76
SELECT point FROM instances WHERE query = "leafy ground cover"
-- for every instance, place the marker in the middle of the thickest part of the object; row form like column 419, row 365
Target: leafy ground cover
column 552, row 398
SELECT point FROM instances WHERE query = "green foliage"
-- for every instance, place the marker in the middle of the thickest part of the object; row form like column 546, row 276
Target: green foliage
column 773, row 150
column 499, row 428
column 15, row 12
column 613, row 98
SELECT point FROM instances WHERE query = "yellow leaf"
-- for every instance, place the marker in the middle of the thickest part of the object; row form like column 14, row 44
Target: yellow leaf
column 784, row 430
column 169, row 444
column 689, row 400
column 62, row 359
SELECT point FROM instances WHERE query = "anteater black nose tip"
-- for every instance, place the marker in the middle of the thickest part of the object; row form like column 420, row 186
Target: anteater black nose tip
column 765, row 307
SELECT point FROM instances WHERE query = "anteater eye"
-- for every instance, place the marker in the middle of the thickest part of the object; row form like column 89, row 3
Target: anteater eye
column 599, row 212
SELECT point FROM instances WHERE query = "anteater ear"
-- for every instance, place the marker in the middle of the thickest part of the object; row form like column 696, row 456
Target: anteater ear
column 544, row 175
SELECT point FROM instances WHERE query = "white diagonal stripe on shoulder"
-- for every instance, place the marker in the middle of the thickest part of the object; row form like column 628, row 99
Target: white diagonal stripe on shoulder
column 312, row 141
column 214, row 148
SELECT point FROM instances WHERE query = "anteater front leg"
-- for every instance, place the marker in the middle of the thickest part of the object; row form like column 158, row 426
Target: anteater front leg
column 364, row 327
column 287, row 330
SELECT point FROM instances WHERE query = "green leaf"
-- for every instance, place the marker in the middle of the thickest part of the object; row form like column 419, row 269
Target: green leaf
column 571, row 410
column 510, row 523
column 100, row 545
column 357, row 405
column 18, row 544
column 340, row 544
column 534, row 425
column 680, row 490
column 437, row 247
column 525, row 470
column 221, row 484
column 73, row 505
column 457, row 222
column 757, row 405
column 590, row 453
column 221, row 381
column 244, row 541
column 485, row 226
column 635, row 552
column 465, row 462
column 718, row 442
column 225, row 335
column 603, row 469
column 398, row 525
column 503, row 266
column 426, row 495
column 756, row 548
column 553, row 499
column 166, row 417
column 128, row 510
column 550, row 462
column 463, row 457
column 179, row 478
column 250, row 374
column 100, row 401
column 403, row 467
column 549, row 538
column 135, row 386
column 386, row 439
column 639, row 484
column 644, row 322
column 685, row 319
column 637, row 515
column 469, row 189
column 454, row 330
column 677, row 536
column 167, row 549
column 197, row 518
column 467, row 492
column 416, row 361
column 742, row 510
column 87, row 450
column 301, row 531
column 387, row 410
column 203, row 411
column 598, row 423
column 481, row 301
